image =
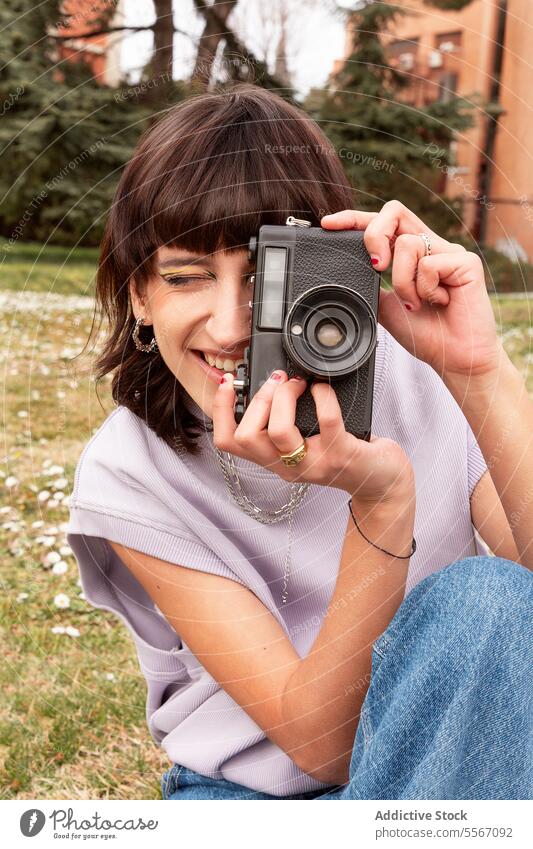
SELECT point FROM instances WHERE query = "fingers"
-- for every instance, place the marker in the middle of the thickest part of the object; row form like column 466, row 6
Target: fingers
column 273, row 408
column 447, row 270
column 348, row 219
column 408, row 251
column 224, row 424
column 330, row 421
column 251, row 438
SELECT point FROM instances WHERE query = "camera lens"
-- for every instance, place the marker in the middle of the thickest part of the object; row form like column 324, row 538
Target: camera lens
column 329, row 331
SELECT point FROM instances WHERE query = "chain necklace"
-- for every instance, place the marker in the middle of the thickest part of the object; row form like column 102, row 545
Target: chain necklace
column 266, row 517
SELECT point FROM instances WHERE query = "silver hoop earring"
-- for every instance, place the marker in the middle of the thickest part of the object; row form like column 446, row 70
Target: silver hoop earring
column 140, row 345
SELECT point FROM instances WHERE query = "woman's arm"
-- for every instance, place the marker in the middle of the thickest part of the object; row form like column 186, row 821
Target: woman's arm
column 309, row 707
column 500, row 413
column 441, row 313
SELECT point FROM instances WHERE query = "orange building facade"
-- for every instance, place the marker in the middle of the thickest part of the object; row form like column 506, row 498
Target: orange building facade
column 446, row 53
column 102, row 52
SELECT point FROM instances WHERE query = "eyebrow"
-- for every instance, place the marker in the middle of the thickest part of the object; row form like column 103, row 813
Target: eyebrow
column 190, row 260
column 183, row 260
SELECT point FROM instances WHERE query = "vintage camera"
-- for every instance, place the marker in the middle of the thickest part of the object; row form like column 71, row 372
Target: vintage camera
column 315, row 310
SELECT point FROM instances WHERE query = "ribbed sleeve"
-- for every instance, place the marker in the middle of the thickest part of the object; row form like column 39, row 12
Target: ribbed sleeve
column 476, row 465
column 164, row 544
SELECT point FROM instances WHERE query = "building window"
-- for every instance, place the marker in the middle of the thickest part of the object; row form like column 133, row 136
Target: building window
column 402, row 53
column 449, row 42
column 447, row 87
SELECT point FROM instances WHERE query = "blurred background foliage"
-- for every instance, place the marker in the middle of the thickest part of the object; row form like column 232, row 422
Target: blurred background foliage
column 66, row 133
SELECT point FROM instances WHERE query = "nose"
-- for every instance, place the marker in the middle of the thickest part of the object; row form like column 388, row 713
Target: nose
column 230, row 322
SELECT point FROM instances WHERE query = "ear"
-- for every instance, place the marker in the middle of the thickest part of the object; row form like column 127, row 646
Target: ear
column 139, row 303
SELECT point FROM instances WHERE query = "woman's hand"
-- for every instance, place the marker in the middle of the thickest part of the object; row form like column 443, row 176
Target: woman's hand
column 439, row 310
column 372, row 471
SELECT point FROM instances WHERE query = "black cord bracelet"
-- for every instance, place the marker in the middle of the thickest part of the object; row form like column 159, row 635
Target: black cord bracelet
column 373, row 544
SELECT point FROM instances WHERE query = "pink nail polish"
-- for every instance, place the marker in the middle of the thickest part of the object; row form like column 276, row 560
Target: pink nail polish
column 275, row 376
column 408, row 307
column 224, row 379
column 374, row 260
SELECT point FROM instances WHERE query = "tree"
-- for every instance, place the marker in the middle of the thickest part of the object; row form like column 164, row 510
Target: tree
column 64, row 135
column 389, row 147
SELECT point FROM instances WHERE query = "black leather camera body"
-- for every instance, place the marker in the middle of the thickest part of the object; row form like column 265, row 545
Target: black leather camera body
column 315, row 309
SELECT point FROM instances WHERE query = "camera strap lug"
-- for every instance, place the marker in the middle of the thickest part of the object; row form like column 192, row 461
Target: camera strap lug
column 297, row 222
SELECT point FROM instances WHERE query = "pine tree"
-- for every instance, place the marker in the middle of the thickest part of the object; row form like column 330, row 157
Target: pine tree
column 388, row 146
column 64, row 136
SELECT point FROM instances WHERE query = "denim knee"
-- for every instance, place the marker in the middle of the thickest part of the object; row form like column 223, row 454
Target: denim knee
column 487, row 588
column 473, row 595
column 495, row 573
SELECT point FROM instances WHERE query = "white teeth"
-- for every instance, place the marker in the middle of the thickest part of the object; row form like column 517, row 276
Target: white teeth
column 225, row 364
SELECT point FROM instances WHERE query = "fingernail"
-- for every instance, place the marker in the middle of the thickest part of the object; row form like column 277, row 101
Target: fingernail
column 226, row 378
column 374, row 260
column 408, row 307
column 275, row 376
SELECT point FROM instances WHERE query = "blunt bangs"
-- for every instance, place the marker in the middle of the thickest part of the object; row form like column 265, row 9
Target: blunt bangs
column 216, row 168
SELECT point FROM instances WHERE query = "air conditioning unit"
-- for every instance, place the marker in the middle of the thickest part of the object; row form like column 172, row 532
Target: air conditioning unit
column 407, row 61
column 435, row 59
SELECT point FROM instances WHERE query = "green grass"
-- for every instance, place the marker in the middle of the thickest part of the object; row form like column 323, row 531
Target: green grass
column 63, row 271
column 66, row 729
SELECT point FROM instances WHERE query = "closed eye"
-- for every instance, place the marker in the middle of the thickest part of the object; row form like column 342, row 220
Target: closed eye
column 185, row 279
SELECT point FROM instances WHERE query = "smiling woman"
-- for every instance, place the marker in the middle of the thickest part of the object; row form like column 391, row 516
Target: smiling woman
column 201, row 183
column 280, row 655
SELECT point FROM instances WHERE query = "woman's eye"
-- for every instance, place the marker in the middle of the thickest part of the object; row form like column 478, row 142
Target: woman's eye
column 184, row 279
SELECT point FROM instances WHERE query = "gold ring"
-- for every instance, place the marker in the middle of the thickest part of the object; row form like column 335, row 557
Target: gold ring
column 427, row 242
column 295, row 456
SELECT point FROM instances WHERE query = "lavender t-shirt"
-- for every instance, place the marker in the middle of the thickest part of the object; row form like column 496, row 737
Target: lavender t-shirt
column 132, row 488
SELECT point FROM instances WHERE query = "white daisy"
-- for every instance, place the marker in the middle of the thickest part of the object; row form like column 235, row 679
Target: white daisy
column 62, row 600
column 59, row 568
column 11, row 481
column 52, row 557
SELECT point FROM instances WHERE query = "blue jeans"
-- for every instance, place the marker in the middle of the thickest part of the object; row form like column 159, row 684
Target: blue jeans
column 448, row 713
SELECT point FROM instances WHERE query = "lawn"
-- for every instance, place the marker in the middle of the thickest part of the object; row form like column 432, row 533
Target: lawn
column 72, row 724
column 60, row 271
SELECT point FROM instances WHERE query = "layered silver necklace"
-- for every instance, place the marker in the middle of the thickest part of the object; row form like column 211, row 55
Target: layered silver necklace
column 266, row 517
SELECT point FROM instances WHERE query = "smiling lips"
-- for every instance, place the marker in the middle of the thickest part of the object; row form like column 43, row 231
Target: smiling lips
column 224, row 364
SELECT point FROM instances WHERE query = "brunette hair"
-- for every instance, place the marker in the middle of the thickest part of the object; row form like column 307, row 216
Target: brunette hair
column 204, row 178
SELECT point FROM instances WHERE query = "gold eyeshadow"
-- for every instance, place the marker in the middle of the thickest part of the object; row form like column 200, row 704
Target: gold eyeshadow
column 185, row 270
